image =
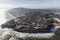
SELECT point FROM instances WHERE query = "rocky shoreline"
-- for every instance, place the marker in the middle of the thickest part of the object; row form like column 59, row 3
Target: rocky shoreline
column 31, row 24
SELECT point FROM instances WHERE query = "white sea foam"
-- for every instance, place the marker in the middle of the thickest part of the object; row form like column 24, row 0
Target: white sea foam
column 2, row 16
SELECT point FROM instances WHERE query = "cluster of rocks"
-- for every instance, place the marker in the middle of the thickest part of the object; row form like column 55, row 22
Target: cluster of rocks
column 32, row 23
column 28, row 24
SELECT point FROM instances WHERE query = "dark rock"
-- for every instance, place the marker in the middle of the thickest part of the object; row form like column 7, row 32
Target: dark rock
column 32, row 23
column 8, row 24
column 28, row 23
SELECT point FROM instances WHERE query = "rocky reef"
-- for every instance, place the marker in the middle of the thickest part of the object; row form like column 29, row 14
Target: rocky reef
column 30, row 24
column 38, row 22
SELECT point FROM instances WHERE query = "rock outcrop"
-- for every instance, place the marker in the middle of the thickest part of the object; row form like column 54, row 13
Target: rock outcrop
column 38, row 22
column 29, row 24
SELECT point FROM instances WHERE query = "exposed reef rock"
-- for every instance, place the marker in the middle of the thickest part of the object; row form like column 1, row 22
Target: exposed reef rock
column 31, row 21
column 30, row 24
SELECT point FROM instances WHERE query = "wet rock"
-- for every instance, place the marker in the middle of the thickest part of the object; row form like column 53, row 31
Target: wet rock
column 8, row 24
column 27, row 25
column 32, row 23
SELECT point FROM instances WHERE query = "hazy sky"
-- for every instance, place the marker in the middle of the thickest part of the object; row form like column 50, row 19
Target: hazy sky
column 30, row 3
